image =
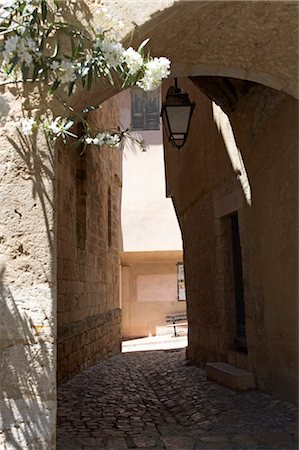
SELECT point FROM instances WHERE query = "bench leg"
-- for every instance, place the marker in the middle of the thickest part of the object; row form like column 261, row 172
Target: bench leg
column 174, row 327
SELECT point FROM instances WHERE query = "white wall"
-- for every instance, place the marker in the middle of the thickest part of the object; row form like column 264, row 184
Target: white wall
column 148, row 219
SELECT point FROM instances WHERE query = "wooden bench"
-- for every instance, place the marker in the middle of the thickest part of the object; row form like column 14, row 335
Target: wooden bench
column 175, row 319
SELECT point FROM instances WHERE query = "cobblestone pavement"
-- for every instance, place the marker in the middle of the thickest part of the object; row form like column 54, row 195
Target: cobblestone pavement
column 153, row 400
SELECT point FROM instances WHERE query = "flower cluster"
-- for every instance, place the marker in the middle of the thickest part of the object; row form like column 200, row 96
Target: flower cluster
column 31, row 50
column 133, row 60
column 20, row 47
column 112, row 52
column 28, row 126
column 58, row 127
column 104, row 138
column 65, row 71
column 155, row 70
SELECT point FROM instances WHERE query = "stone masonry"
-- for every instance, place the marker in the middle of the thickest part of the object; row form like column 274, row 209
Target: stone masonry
column 244, row 163
column 88, row 242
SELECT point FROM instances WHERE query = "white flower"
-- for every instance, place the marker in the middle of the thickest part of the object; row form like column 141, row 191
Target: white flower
column 113, row 140
column 11, row 44
column 31, row 44
column 133, row 60
column 55, row 125
column 28, row 125
column 155, row 70
column 59, row 127
column 10, row 47
column 112, row 51
column 68, row 70
column 88, row 140
column 22, row 47
column 100, row 139
column 55, row 65
column 25, row 49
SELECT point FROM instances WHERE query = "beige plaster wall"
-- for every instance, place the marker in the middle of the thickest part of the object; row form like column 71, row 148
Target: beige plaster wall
column 249, row 165
column 148, row 218
column 150, row 232
column 149, row 291
column 88, row 311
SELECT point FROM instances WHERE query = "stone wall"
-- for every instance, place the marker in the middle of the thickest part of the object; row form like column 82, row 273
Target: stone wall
column 245, row 164
column 88, row 243
column 27, row 286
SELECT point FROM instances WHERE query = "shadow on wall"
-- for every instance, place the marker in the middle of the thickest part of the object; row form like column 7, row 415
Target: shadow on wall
column 26, row 373
column 39, row 165
column 27, row 297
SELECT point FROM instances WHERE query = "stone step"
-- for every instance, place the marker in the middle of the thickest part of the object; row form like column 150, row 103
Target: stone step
column 230, row 376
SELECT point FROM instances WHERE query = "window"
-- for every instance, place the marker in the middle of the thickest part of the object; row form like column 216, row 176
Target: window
column 145, row 109
column 181, row 282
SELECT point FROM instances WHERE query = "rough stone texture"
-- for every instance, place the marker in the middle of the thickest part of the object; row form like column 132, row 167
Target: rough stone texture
column 153, row 400
column 257, row 157
column 88, row 243
column 27, row 287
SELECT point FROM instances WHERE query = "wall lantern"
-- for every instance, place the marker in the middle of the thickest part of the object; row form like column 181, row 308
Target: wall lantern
column 176, row 115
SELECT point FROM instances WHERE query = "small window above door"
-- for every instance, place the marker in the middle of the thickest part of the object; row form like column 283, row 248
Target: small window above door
column 145, row 110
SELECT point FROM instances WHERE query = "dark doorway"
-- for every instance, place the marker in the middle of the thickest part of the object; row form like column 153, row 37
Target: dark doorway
column 240, row 338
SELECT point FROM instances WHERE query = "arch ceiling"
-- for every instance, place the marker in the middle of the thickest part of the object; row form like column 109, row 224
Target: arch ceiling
column 256, row 41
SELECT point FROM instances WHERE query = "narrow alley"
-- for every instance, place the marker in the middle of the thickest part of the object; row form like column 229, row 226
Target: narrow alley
column 155, row 400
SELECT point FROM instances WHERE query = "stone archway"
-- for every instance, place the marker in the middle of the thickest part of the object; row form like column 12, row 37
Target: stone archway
column 246, row 40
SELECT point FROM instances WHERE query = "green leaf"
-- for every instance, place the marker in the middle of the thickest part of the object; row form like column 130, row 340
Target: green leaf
column 54, row 86
column 56, row 2
column 35, row 18
column 44, row 10
column 14, row 63
column 78, row 49
column 73, row 46
column 89, row 78
column 56, row 50
column 35, row 71
column 25, row 71
column 142, row 45
column 71, row 87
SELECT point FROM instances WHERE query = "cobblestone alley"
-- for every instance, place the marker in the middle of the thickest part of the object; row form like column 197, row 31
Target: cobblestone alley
column 154, row 400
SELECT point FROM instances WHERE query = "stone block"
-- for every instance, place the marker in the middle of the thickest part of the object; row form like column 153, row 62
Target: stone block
column 230, row 376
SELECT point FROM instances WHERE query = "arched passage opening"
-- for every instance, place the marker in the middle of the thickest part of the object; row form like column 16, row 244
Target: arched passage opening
column 227, row 50
column 247, row 41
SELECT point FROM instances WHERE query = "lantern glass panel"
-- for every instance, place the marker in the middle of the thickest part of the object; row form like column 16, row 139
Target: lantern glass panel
column 178, row 117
